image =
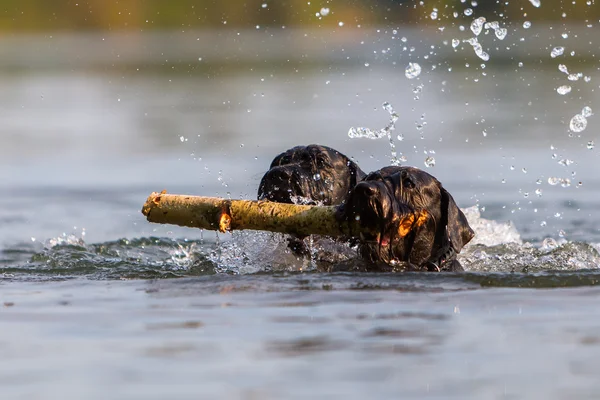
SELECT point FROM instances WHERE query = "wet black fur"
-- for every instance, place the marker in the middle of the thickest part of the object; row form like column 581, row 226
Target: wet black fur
column 384, row 196
column 314, row 174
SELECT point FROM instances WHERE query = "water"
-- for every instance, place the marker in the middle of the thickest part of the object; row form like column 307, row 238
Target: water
column 97, row 303
column 266, row 336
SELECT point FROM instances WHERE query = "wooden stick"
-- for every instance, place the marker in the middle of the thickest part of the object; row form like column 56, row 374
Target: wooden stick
column 215, row 213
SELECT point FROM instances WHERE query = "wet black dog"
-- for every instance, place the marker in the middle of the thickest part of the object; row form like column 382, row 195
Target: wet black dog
column 310, row 174
column 413, row 221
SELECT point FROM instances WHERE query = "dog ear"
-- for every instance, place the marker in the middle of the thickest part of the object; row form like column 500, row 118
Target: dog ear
column 356, row 173
column 277, row 160
column 459, row 231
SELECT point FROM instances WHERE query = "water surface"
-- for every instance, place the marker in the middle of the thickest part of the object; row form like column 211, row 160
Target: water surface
column 87, row 309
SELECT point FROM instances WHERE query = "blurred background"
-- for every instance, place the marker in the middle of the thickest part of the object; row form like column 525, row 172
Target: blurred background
column 104, row 101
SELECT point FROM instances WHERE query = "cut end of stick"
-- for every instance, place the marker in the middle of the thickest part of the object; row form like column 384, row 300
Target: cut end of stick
column 152, row 201
column 224, row 223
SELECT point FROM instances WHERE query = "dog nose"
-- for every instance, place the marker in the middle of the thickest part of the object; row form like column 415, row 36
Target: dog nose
column 281, row 174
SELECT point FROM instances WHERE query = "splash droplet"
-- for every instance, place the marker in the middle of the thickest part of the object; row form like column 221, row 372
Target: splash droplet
column 412, row 70
column 455, row 43
column 590, row 145
column 557, row 51
column 536, row 3
column 563, row 68
column 553, row 181
column 564, row 89
column 587, row 112
column 501, row 33
column 478, row 49
column 430, row 162
column 565, row 162
column 578, row 123
column 324, row 11
column 477, row 25
column 526, row 24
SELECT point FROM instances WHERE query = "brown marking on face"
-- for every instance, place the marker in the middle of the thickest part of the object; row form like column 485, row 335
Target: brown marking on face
column 406, row 225
column 422, row 218
column 411, row 222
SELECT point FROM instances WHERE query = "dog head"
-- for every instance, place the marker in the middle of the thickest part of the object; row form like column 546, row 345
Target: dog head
column 406, row 215
column 311, row 174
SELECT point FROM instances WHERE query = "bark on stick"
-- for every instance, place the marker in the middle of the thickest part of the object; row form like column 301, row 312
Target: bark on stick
column 220, row 214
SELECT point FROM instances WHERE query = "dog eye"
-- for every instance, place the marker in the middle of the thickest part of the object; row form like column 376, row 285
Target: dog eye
column 321, row 162
column 305, row 157
column 408, row 183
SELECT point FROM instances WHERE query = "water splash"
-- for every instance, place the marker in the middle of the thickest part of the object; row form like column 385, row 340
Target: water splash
column 69, row 257
column 557, row 51
column 496, row 247
column 536, row 3
column 64, row 240
column 477, row 25
column 575, row 77
column 362, row 132
column 564, row 89
column 553, row 180
column 412, row 70
column 478, row 48
column 563, row 68
column 488, row 232
column 250, row 252
column 579, row 122
column 498, row 31
column 563, row 255
column 501, row 33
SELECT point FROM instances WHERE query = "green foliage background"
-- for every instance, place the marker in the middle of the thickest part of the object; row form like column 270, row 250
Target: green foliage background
column 73, row 15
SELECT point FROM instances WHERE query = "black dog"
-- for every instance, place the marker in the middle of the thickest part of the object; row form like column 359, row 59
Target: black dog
column 310, row 174
column 411, row 218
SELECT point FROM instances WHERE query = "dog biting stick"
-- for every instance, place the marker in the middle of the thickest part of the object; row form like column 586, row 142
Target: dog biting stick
column 214, row 213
